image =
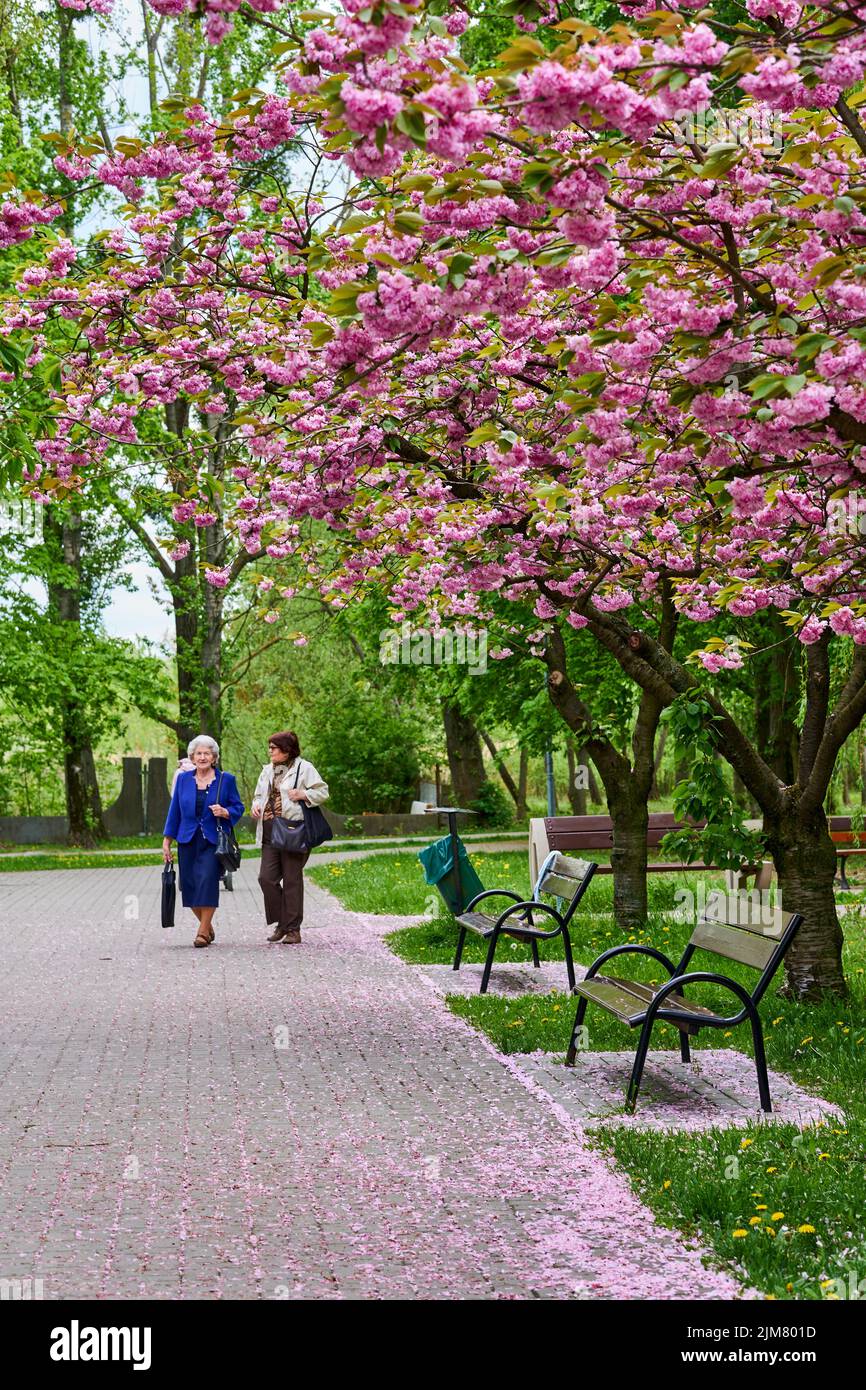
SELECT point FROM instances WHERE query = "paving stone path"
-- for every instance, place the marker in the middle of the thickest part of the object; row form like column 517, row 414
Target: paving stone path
column 256, row 1121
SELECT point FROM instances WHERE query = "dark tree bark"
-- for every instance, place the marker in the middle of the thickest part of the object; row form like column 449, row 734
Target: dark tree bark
column 793, row 815
column 522, row 779
column 627, row 783
column 63, row 532
column 465, row 759
column 83, row 802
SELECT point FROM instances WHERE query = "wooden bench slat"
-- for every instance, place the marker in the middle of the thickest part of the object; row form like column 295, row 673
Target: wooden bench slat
column 747, row 910
column 733, row 944
column 482, row 924
column 642, row 994
column 559, row 887
column 477, row 921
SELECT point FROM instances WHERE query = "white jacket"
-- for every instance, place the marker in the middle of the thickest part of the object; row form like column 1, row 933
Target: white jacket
column 309, row 781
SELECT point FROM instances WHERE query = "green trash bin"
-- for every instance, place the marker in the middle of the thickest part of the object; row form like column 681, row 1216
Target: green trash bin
column 440, row 870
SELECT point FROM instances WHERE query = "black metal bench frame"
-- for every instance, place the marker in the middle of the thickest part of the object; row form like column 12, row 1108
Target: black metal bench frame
column 689, row 1019
column 492, row 928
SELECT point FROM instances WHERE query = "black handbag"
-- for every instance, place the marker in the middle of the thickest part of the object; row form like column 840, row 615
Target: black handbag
column 291, row 837
column 169, row 895
column 228, row 851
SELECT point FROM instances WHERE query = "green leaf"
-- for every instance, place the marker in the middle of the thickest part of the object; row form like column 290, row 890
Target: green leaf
column 482, row 435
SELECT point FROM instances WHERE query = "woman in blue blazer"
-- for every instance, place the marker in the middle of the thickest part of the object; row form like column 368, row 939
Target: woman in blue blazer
column 192, row 821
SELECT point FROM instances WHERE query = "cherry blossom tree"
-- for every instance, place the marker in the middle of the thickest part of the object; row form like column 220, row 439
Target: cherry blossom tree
column 556, row 342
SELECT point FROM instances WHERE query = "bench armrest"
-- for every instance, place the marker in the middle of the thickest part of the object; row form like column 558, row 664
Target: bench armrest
column 533, row 907
column 706, row 977
column 629, row 949
column 492, row 893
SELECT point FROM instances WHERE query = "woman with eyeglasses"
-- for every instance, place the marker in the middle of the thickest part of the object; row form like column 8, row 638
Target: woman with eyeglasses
column 285, row 781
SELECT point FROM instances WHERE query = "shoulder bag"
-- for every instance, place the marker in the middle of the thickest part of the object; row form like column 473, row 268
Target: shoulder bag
column 293, row 837
column 228, row 851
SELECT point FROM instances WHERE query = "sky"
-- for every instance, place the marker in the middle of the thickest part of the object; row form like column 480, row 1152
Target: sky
column 136, row 612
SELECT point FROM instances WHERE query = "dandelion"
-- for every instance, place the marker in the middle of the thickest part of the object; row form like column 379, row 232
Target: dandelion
column 777, row 1216
column 777, row 1020
column 666, row 1184
column 772, row 1170
column 755, row 1220
column 803, row 1041
column 739, row 1233
column 762, row 1207
column 806, row 1229
column 820, row 1156
column 744, row 1143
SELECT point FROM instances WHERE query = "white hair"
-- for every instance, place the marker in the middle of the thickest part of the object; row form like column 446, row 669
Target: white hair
column 207, row 741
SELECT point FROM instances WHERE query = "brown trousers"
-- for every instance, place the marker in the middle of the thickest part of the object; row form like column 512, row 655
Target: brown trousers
column 281, row 879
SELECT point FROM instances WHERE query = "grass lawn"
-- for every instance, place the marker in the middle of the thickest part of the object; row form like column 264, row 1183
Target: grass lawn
column 786, row 1208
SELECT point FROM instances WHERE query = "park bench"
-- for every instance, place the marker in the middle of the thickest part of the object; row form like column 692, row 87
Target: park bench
column 569, row 833
column 563, row 878
column 732, row 926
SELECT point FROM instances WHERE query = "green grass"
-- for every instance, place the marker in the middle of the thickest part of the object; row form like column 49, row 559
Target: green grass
column 78, row 859
column 708, row 1185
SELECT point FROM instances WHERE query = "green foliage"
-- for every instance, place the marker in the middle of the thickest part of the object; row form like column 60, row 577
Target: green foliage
column 704, row 795
column 493, row 805
column 367, row 751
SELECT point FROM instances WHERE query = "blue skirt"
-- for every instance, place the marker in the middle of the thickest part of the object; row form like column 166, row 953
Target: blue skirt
column 199, row 872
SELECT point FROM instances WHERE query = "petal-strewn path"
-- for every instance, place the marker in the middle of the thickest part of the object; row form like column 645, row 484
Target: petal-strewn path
column 255, row 1121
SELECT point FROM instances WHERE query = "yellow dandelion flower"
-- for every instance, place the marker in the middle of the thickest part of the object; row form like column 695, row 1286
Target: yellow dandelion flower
column 760, row 1208
column 788, row 1288
column 739, row 1233
column 777, row 1216
column 772, row 1170
column 827, row 1283
column 803, row 1041
column 666, row 1184
column 755, row 1220
column 744, row 1143
column 806, row 1229
column 820, row 1156
column 778, row 1020
column 768, row 1230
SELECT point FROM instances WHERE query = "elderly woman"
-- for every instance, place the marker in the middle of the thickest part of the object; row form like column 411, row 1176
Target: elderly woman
column 284, row 782
column 200, row 797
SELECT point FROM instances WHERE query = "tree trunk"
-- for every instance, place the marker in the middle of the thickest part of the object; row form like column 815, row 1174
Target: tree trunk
column 522, row 778
column 655, row 791
column 465, row 759
column 576, row 794
column 83, row 803
column 628, row 857
column 805, row 860
column 500, row 765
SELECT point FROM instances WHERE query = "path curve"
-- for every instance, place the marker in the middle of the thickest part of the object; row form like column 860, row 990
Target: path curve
column 255, row 1121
